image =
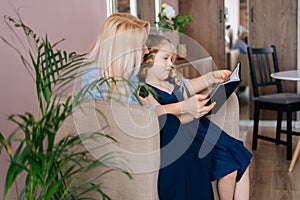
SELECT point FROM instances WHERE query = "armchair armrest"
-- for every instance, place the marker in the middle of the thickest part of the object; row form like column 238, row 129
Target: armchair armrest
column 137, row 147
column 227, row 118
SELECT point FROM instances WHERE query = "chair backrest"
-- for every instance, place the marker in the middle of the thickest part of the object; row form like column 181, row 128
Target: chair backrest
column 263, row 62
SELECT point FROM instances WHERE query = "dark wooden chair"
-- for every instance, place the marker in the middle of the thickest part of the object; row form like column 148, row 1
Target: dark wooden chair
column 263, row 62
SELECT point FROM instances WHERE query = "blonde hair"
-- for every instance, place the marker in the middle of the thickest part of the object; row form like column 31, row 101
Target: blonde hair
column 156, row 43
column 118, row 49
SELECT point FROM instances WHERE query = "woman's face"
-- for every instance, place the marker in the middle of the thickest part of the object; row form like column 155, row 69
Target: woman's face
column 145, row 51
column 144, row 47
column 162, row 66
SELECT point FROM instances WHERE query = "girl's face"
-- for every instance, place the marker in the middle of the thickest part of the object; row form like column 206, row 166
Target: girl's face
column 162, row 66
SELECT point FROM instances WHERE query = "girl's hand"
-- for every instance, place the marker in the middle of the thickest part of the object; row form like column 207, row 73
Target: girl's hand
column 195, row 105
column 218, row 76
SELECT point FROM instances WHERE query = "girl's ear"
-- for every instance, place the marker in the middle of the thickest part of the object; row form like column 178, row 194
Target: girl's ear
column 148, row 58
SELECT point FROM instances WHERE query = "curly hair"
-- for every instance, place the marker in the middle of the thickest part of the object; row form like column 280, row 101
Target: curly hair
column 156, row 43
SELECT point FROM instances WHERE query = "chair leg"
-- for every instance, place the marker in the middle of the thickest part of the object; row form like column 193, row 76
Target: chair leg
column 278, row 127
column 289, row 135
column 255, row 127
column 295, row 156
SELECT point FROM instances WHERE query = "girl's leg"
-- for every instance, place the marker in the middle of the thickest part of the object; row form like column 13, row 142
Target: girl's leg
column 226, row 186
column 229, row 189
column 242, row 189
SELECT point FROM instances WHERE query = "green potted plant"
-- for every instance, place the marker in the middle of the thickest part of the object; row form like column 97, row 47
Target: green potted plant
column 49, row 164
column 169, row 21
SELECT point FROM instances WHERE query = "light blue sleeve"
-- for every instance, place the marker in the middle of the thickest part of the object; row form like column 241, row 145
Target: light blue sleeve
column 88, row 77
column 91, row 75
column 185, row 81
column 152, row 107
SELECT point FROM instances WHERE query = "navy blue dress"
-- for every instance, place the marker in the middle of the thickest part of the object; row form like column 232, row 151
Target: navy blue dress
column 194, row 154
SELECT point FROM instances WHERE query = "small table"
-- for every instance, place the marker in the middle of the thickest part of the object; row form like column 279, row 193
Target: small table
column 290, row 75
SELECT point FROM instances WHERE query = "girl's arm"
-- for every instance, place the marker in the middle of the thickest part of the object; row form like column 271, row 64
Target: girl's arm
column 200, row 83
column 186, row 110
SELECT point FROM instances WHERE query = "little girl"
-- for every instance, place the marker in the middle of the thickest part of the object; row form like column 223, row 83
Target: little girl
column 194, row 151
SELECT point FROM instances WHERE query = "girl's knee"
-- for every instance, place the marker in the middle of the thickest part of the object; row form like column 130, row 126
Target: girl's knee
column 246, row 173
column 231, row 176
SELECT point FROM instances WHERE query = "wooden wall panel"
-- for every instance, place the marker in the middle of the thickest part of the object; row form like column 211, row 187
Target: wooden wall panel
column 146, row 10
column 275, row 22
column 207, row 27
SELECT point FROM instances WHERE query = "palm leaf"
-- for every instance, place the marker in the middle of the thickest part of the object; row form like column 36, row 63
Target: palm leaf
column 47, row 164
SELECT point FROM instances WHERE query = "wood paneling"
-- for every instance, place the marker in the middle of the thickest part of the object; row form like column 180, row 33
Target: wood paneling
column 270, row 22
column 275, row 22
column 243, row 14
column 207, row 27
column 146, row 10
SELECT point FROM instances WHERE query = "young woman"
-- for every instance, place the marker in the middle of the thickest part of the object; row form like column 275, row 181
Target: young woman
column 210, row 148
column 116, row 55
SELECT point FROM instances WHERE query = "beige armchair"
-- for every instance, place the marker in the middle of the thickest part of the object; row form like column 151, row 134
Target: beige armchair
column 137, row 131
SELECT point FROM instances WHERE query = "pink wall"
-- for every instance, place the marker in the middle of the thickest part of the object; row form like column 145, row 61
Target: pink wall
column 77, row 21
